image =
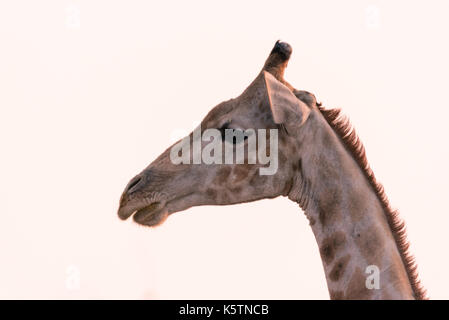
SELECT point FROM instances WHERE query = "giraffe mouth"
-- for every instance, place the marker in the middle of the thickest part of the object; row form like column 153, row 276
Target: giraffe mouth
column 154, row 213
column 151, row 215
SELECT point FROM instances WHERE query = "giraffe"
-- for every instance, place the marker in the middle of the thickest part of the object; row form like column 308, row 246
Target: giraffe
column 322, row 167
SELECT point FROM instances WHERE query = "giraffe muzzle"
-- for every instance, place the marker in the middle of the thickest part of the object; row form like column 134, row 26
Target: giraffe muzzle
column 151, row 215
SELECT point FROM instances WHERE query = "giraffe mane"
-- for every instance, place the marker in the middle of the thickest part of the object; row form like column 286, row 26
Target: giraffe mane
column 347, row 134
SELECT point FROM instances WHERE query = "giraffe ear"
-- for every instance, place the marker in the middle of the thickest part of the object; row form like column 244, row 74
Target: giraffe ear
column 285, row 107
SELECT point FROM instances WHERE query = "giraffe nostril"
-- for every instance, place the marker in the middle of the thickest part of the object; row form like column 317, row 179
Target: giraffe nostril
column 132, row 185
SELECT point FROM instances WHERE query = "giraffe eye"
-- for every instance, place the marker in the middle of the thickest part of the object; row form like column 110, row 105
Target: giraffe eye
column 234, row 139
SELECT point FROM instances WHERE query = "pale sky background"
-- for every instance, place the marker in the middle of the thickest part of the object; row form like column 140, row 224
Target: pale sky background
column 92, row 91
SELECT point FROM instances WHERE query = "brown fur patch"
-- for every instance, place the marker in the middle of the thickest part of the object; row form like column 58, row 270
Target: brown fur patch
column 293, row 149
column 224, row 197
column 222, row 174
column 211, row 193
column 257, row 180
column 331, row 198
column 357, row 288
column 240, row 172
column 327, row 214
column 331, row 245
column 370, row 243
column 294, row 167
column 357, row 210
column 236, row 189
column 339, row 268
column 312, row 221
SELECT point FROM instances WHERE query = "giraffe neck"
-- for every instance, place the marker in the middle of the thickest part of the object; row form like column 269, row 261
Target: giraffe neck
column 360, row 257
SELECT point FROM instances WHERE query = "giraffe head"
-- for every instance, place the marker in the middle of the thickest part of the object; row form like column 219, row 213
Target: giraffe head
column 268, row 105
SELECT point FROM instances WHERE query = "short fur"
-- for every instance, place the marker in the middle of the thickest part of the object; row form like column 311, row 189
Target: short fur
column 346, row 132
